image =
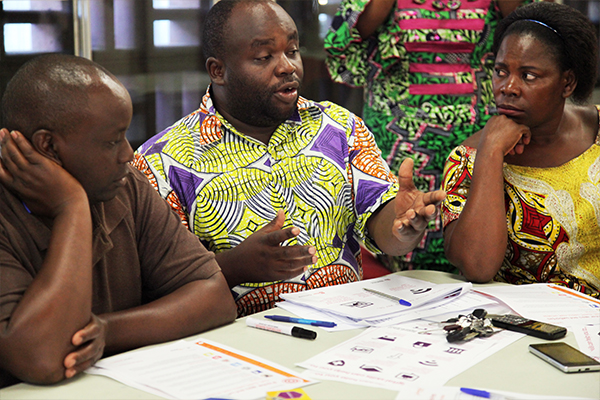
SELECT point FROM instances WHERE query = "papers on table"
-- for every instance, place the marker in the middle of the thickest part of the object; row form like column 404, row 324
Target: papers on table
column 588, row 339
column 549, row 303
column 198, row 370
column 350, row 306
column 413, row 353
column 454, row 393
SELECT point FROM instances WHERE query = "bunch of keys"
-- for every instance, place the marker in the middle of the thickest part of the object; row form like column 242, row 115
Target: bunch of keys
column 467, row 327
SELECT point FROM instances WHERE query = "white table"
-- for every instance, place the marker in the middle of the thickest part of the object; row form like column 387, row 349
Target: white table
column 513, row 368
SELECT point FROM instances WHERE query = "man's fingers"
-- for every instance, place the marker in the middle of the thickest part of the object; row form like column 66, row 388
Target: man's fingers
column 279, row 236
column 5, row 176
column 428, row 213
column 435, row 197
column 81, row 355
column 24, row 146
column 89, row 332
column 293, row 267
column 405, row 175
column 11, row 155
column 80, row 367
column 276, row 223
column 295, row 252
column 414, row 222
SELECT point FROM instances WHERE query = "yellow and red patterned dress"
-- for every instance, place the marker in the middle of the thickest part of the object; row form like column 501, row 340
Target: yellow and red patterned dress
column 552, row 215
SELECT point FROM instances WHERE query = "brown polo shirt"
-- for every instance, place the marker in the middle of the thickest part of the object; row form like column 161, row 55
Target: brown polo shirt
column 141, row 251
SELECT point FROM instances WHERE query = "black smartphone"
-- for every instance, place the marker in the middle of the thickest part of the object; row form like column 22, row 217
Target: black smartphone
column 530, row 327
column 564, row 357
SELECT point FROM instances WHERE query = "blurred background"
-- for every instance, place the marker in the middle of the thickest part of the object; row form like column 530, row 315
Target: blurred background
column 154, row 48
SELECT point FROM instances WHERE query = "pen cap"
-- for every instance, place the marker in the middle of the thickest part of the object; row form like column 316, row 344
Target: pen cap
column 303, row 333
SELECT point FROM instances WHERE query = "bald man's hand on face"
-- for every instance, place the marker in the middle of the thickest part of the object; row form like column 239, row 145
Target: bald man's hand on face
column 45, row 187
column 262, row 258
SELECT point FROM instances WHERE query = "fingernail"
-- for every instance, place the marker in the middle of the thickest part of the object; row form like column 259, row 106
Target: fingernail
column 70, row 363
column 13, row 134
column 312, row 251
column 70, row 373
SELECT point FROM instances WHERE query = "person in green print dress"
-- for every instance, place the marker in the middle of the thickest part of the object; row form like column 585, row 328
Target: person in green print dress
column 426, row 68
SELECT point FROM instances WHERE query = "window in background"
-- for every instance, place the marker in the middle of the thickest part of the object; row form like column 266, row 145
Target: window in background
column 154, row 48
column 29, row 28
column 33, row 5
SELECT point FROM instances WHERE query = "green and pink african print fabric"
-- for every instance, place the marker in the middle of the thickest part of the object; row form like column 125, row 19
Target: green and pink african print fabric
column 427, row 79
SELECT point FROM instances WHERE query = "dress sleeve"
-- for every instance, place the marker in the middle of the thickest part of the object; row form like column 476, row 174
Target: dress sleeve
column 458, row 173
column 352, row 60
column 373, row 184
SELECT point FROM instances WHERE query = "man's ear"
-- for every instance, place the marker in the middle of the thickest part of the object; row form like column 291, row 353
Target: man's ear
column 570, row 83
column 43, row 141
column 216, row 70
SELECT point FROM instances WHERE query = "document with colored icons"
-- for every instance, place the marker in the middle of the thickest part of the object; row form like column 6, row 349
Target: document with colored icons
column 199, row 369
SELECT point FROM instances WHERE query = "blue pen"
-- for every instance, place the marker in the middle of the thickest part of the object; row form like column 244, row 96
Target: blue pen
column 312, row 322
column 482, row 393
column 389, row 296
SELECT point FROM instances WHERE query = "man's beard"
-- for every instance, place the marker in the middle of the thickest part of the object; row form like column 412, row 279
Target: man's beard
column 254, row 106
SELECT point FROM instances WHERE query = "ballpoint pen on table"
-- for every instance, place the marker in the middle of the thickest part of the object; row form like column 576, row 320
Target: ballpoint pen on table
column 482, row 393
column 389, row 296
column 313, row 322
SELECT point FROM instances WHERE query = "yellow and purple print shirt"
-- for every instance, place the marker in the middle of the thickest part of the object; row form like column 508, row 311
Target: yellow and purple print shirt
column 322, row 167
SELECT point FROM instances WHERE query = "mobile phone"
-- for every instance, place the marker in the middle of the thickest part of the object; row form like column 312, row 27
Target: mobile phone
column 530, row 327
column 564, row 357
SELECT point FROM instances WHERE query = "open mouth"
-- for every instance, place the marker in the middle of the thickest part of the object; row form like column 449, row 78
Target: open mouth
column 288, row 90
column 288, row 93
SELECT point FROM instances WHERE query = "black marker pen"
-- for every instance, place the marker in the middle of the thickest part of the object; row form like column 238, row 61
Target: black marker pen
column 286, row 329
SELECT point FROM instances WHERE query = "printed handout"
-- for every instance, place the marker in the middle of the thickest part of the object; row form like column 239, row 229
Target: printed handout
column 198, row 370
column 549, row 303
column 416, row 352
column 358, row 306
column 454, row 393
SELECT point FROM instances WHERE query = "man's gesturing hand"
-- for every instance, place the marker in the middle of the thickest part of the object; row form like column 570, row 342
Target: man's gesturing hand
column 262, row 258
column 413, row 208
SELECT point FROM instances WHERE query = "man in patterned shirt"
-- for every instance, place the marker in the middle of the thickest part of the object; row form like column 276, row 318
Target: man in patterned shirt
column 281, row 188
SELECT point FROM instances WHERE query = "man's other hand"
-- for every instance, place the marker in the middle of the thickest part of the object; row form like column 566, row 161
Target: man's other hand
column 262, row 258
column 89, row 343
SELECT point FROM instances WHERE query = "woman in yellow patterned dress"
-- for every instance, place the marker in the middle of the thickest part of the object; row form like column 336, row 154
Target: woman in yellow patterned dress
column 523, row 202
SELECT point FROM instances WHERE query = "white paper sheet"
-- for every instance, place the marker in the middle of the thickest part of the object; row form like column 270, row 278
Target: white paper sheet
column 198, row 370
column 588, row 339
column 352, row 301
column 393, row 357
column 548, row 303
column 454, row 393
column 464, row 304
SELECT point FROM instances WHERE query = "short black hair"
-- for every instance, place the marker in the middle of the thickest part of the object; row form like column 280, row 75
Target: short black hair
column 213, row 33
column 570, row 36
column 50, row 92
